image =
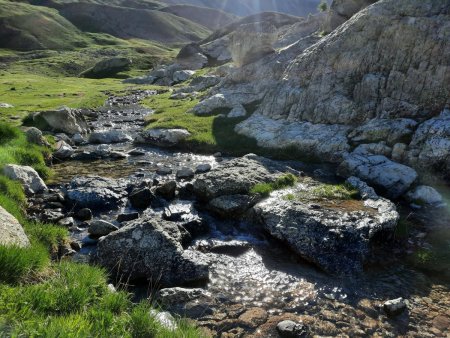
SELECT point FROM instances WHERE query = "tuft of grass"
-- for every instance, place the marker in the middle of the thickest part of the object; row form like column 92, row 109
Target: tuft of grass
column 335, row 191
column 264, row 189
column 18, row 263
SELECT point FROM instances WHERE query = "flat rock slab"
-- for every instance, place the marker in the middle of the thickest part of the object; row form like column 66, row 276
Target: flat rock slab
column 11, row 232
column 335, row 235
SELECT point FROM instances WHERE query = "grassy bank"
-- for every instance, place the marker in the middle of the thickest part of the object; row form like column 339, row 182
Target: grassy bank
column 44, row 298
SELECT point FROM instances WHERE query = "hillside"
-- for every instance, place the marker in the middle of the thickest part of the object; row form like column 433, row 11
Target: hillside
column 248, row 7
column 26, row 27
column 208, row 17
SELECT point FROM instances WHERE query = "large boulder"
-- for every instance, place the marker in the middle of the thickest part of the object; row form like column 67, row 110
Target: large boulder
column 237, row 176
column 424, row 195
column 191, row 57
column 11, row 232
column 108, row 67
column 27, row 176
column 336, row 236
column 391, row 178
column 63, row 120
column 96, row 192
column 162, row 137
column 151, row 248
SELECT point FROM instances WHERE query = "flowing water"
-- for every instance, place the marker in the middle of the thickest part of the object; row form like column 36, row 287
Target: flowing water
column 256, row 281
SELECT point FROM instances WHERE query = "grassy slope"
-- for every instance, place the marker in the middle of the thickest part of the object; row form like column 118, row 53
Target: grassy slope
column 26, row 27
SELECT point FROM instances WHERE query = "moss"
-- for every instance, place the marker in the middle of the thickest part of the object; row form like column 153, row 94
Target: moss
column 264, row 189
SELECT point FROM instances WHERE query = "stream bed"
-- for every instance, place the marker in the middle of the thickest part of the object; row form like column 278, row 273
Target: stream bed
column 255, row 281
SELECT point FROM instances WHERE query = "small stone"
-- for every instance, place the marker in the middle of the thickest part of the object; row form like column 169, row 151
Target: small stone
column 136, row 152
column 101, row 228
column 202, row 168
column 66, row 222
column 84, row 214
column 127, row 217
column 75, row 245
column 291, row 329
column 167, row 190
column 185, row 173
column 163, row 171
column 394, row 307
column 218, row 154
column 141, row 199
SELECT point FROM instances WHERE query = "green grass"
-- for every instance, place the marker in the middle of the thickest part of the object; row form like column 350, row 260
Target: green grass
column 264, row 189
column 334, row 191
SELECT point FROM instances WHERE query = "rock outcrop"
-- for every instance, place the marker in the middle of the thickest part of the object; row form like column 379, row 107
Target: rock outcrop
column 151, row 248
column 63, row 120
column 11, row 232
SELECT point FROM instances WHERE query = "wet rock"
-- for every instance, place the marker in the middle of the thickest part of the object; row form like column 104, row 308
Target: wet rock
column 231, row 206
column 393, row 179
column 167, row 190
column 63, row 150
column 11, row 231
column 111, row 136
column 66, row 222
column 108, row 67
column 424, row 195
column 65, row 120
column 136, row 152
column 237, row 176
column 203, row 168
column 127, row 217
column 35, row 136
column 101, row 228
column 162, row 137
column 96, row 192
column 163, row 171
column 394, row 307
column 84, row 214
column 291, row 329
column 191, row 303
column 185, row 173
column 442, row 323
column 338, row 239
column 52, row 216
column 254, row 317
column 151, row 248
column 142, row 198
column 27, row 176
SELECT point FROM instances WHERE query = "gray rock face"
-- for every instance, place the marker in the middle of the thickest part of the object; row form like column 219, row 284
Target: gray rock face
column 391, row 131
column 64, row 120
column 424, row 195
column 11, row 232
column 163, row 137
column 237, row 176
column 231, row 206
column 318, row 140
column 110, row 136
column 391, row 178
column 342, row 10
column 182, row 75
column 150, row 248
column 191, row 57
column 430, row 146
column 108, row 67
column 27, row 176
column 211, row 104
column 96, row 192
column 337, row 239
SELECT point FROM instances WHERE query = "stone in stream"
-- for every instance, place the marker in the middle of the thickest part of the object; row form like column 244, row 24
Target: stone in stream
column 231, row 206
column 167, row 189
column 127, row 217
column 11, row 231
column 185, row 173
column 151, row 248
column 162, row 137
column 78, row 139
column 163, row 171
column 291, row 329
column 66, row 222
column 203, row 168
column 96, row 192
column 27, row 176
column 110, row 136
column 424, row 195
column 101, row 228
column 63, row 150
column 394, row 307
column 84, row 214
column 142, row 198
